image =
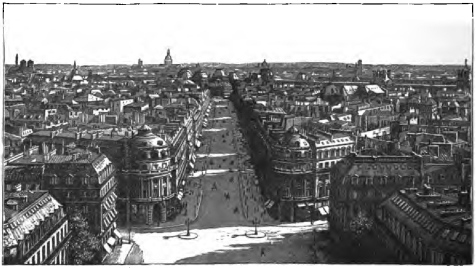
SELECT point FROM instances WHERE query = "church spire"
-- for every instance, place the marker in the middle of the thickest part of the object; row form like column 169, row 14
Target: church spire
column 74, row 65
column 16, row 60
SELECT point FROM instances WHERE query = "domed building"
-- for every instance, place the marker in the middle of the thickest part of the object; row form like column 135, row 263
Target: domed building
column 293, row 173
column 267, row 75
column 185, row 74
column 148, row 179
column 168, row 59
column 302, row 77
column 200, row 77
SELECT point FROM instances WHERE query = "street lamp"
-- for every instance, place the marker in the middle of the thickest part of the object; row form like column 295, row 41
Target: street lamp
column 255, row 222
column 188, row 226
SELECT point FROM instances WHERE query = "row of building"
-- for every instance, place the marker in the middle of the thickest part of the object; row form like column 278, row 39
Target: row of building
column 129, row 172
column 395, row 152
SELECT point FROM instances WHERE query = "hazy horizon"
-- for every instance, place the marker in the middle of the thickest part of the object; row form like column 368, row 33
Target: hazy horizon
column 108, row 35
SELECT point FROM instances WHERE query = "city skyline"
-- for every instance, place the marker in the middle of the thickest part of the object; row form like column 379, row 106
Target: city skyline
column 200, row 35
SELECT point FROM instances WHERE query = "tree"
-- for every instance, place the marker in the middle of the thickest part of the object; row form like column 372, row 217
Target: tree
column 84, row 247
column 360, row 227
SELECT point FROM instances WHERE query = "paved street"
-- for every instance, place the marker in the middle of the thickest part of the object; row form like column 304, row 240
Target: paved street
column 231, row 202
column 283, row 244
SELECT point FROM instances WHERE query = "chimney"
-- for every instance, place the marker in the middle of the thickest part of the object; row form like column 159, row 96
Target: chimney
column 426, row 189
column 44, row 148
column 25, row 151
column 12, row 204
column 62, row 147
column 463, row 198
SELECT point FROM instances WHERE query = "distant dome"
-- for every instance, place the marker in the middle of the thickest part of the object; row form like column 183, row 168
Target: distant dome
column 200, row 74
column 185, row 73
column 293, row 140
column 219, row 73
column 301, row 77
column 77, row 78
column 145, row 138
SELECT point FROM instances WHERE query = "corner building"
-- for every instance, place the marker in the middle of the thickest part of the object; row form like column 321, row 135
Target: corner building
column 148, row 179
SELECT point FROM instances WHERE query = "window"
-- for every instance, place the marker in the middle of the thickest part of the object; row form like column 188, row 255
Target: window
column 54, row 180
column 69, row 180
column 43, row 252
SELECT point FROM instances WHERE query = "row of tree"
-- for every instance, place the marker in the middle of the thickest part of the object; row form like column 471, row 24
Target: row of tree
column 84, row 247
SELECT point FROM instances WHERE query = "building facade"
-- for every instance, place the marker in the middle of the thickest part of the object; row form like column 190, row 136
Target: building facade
column 35, row 229
column 81, row 179
column 147, row 178
column 425, row 227
column 360, row 183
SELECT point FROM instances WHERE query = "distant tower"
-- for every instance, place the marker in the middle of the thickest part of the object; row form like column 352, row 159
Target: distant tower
column 464, row 77
column 30, row 64
column 358, row 69
column 22, row 64
column 74, row 65
column 264, row 64
column 140, row 63
column 168, row 59
column 16, row 60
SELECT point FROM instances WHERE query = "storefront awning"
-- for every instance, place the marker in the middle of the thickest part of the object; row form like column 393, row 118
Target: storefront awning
column 117, row 234
column 111, row 241
column 180, row 195
column 269, row 203
column 322, row 211
column 107, row 248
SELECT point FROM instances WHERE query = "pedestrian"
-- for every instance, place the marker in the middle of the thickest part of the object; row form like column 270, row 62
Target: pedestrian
column 263, row 253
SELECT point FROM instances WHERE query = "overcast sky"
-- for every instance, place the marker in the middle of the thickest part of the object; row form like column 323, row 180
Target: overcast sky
column 416, row 34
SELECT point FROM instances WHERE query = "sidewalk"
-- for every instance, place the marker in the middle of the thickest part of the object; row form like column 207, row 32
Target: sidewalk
column 193, row 201
column 125, row 254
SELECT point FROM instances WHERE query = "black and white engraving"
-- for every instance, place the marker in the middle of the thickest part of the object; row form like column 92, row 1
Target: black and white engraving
column 230, row 134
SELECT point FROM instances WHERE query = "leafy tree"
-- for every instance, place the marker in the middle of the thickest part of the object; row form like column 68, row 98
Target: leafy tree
column 84, row 247
column 360, row 227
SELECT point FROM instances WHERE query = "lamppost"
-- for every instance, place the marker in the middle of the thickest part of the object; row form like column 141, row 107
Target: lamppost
column 255, row 222
column 188, row 226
